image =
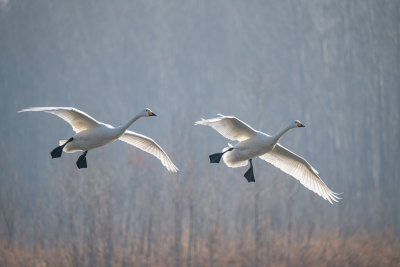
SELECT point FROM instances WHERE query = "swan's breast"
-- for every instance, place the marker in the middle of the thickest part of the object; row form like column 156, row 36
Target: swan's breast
column 256, row 146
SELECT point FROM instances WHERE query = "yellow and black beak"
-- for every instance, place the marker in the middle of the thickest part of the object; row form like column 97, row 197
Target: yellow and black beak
column 299, row 124
column 151, row 113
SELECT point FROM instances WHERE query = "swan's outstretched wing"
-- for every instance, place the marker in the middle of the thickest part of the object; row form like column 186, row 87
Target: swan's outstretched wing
column 150, row 146
column 300, row 169
column 79, row 120
column 230, row 127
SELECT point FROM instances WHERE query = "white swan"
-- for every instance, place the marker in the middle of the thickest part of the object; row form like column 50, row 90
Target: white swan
column 91, row 134
column 254, row 143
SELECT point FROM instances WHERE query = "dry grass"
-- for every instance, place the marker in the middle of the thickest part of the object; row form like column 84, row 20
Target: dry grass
column 324, row 249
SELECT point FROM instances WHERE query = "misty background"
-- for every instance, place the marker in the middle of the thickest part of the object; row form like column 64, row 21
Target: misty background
column 333, row 65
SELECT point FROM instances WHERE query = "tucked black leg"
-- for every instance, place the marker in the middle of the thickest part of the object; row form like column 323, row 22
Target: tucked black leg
column 249, row 175
column 81, row 163
column 215, row 158
column 56, row 152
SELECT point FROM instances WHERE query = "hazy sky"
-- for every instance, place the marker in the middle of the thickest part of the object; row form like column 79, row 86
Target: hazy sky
column 334, row 65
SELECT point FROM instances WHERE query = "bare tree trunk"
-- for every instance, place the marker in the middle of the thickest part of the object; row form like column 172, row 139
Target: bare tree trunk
column 109, row 246
column 289, row 227
column 257, row 232
column 91, row 240
column 126, row 232
column 149, row 238
column 75, row 250
column 191, row 229
column 214, row 234
column 8, row 216
column 178, row 232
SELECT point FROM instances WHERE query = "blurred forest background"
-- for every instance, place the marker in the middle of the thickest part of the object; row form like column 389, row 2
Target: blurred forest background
column 334, row 65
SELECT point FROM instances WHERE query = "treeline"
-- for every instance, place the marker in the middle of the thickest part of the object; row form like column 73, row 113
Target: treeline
column 325, row 248
column 98, row 218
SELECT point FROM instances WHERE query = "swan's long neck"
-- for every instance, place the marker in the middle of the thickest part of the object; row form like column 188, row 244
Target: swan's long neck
column 279, row 135
column 125, row 126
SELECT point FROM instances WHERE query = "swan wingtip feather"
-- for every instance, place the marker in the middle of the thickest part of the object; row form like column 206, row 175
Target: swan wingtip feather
column 173, row 169
column 26, row 109
column 201, row 122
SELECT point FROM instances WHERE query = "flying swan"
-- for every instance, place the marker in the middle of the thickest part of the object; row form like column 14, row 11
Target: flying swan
column 253, row 143
column 91, row 134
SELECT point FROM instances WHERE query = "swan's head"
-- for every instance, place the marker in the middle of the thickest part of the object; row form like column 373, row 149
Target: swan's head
column 298, row 124
column 147, row 113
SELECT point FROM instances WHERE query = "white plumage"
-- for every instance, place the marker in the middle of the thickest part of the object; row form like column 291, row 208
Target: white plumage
column 253, row 143
column 150, row 146
column 91, row 133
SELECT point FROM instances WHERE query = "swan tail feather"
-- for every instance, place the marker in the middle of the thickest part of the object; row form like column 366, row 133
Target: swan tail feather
column 229, row 158
column 67, row 148
column 61, row 142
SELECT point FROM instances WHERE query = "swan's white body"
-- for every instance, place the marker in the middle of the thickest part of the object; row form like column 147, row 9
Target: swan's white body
column 91, row 138
column 91, row 133
column 253, row 143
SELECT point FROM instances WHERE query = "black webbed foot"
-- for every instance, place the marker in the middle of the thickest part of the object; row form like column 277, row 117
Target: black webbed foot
column 215, row 158
column 56, row 152
column 249, row 175
column 81, row 163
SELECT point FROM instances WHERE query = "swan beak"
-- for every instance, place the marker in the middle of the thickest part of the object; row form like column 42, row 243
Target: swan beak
column 150, row 113
column 301, row 125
